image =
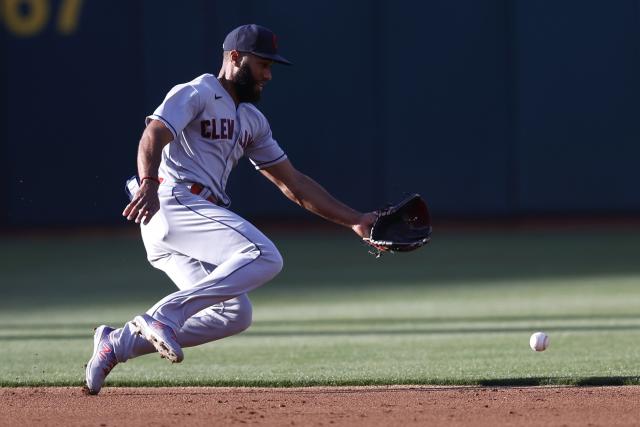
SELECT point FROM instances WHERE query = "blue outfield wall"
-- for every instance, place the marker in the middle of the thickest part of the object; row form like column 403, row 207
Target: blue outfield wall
column 489, row 108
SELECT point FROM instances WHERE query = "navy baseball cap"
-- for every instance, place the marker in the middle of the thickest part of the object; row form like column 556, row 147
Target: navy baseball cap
column 255, row 39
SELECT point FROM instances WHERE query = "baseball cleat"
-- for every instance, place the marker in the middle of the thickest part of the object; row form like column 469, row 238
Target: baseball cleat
column 160, row 336
column 102, row 361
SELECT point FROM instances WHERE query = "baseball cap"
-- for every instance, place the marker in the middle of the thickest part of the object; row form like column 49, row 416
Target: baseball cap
column 254, row 39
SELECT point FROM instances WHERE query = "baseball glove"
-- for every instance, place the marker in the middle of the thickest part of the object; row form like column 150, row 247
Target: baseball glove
column 402, row 227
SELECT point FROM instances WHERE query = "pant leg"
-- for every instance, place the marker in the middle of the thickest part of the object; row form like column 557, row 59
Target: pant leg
column 213, row 323
column 191, row 226
column 215, row 235
column 220, row 321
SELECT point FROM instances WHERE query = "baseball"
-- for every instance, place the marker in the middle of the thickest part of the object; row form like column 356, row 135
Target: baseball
column 539, row 341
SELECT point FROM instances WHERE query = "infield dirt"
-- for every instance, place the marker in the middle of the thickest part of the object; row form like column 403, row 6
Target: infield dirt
column 322, row 406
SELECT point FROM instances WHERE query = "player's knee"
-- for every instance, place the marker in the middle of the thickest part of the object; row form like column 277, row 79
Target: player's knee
column 244, row 318
column 239, row 315
column 278, row 261
column 272, row 260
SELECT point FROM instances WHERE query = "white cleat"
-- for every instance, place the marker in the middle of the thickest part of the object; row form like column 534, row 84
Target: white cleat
column 160, row 336
column 102, row 361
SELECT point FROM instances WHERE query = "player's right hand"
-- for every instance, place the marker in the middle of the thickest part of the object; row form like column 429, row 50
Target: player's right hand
column 145, row 204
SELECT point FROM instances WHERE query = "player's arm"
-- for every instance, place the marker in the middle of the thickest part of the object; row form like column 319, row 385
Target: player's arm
column 145, row 204
column 307, row 193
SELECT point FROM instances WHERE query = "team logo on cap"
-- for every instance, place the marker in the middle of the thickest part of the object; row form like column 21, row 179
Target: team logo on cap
column 275, row 42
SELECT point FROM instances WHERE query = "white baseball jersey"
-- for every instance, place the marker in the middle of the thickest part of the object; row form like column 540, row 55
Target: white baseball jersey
column 211, row 135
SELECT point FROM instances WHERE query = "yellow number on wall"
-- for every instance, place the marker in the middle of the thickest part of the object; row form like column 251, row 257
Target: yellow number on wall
column 37, row 15
column 68, row 16
column 28, row 24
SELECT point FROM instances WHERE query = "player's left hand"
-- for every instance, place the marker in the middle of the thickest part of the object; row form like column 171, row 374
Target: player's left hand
column 365, row 222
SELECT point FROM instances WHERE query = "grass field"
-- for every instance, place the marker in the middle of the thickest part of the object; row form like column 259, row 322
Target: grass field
column 457, row 312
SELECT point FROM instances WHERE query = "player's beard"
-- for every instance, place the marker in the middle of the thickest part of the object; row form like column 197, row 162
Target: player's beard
column 246, row 85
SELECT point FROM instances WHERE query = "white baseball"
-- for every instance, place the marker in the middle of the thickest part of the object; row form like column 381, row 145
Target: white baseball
column 539, row 341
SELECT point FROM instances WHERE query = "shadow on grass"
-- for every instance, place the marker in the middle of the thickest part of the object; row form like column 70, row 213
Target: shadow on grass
column 542, row 381
column 320, row 261
column 362, row 332
column 363, row 321
column 431, row 384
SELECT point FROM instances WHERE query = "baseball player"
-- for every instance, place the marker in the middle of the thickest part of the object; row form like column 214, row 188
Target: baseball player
column 191, row 143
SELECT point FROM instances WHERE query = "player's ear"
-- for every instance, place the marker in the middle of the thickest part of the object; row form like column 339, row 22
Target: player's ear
column 235, row 57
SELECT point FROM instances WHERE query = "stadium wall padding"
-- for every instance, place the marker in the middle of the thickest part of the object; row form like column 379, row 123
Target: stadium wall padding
column 489, row 109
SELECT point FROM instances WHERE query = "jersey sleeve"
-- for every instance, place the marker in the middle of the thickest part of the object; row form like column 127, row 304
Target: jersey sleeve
column 179, row 108
column 264, row 151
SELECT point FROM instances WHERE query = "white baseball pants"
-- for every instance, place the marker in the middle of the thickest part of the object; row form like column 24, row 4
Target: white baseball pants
column 215, row 257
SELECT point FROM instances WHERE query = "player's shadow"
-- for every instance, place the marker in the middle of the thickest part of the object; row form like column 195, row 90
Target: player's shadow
column 564, row 381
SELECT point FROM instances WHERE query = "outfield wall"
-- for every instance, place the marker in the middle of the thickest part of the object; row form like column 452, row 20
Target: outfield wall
column 490, row 109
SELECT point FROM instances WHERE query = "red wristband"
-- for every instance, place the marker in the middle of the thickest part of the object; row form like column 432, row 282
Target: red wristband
column 152, row 178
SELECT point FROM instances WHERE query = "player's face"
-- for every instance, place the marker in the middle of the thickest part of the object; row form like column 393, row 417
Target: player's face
column 251, row 77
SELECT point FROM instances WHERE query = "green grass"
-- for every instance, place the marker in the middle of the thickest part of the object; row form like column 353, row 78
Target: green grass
column 457, row 312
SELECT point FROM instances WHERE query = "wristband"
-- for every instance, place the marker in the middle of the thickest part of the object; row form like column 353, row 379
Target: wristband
column 152, row 178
